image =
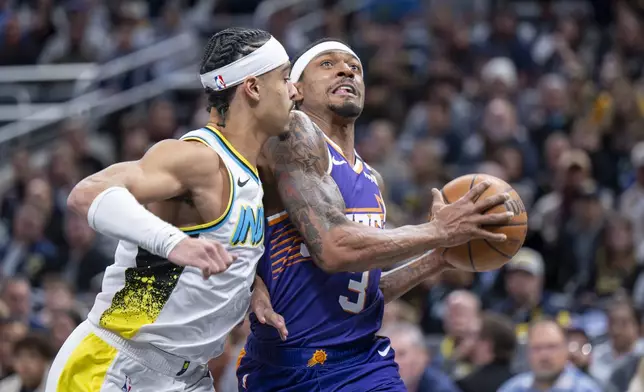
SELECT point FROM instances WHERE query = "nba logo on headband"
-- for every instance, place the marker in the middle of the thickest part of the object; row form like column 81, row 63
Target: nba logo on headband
column 219, row 82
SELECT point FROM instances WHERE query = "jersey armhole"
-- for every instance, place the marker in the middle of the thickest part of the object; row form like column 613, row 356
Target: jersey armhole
column 216, row 223
column 330, row 157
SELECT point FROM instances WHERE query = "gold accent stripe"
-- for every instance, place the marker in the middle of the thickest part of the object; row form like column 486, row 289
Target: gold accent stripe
column 223, row 216
column 232, row 149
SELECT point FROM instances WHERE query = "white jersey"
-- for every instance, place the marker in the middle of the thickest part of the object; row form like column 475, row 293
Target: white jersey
column 147, row 299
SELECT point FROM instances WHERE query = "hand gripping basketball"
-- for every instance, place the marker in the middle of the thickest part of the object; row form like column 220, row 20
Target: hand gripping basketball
column 209, row 256
column 461, row 221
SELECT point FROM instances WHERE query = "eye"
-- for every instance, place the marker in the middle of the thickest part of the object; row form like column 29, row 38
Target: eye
column 287, row 79
column 355, row 67
column 326, row 64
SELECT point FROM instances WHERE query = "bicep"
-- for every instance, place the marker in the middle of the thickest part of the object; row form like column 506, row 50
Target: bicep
column 309, row 194
column 168, row 169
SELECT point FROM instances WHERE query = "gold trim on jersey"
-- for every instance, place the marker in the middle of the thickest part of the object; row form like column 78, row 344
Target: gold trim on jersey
column 226, row 144
column 222, row 218
column 196, row 139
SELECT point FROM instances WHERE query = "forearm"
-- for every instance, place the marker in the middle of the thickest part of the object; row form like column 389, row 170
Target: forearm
column 400, row 280
column 360, row 248
column 116, row 213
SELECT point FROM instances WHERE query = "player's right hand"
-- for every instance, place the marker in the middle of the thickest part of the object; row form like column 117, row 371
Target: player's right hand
column 461, row 221
column 260, row 304
column 209, row 256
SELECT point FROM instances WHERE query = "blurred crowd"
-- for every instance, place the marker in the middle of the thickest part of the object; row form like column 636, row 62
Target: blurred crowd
column 553, row 104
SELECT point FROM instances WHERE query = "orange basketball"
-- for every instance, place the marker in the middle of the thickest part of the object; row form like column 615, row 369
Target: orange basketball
column 484, row 255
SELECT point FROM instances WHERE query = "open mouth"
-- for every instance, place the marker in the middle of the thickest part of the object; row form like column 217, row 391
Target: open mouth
column 346, row 90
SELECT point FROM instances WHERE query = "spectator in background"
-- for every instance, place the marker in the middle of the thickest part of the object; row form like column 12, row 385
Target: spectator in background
column 624, row 339
column 135, row 144
column 39, row 193
column 500, row 127
column 77, row 41
column 29, row 251
column 12, row 331
column 550, row 369
column 493, row 352
column 75, row 133
column 499, row 79
column 16, row 294
column 63, row 173
column 32, row 358
column 631, row 203
column 22, row 171
column 578, row 246
column 62, row 325
column 59, row 296
column 462, row 325
column 580, row 348
column 413, row 195
column 526, row 301
column 20, row 44
column 162, row 121
column 413, row 360
column 81, row 263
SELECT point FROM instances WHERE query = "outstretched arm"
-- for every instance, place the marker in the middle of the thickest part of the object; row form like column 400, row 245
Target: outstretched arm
column 315, row 205
column 112, row 201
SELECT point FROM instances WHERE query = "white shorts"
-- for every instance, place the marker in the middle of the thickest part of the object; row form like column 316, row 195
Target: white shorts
column 88, row 363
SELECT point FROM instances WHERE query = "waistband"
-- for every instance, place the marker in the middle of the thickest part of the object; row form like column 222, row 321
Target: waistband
column 298, row 357
column 154, row 358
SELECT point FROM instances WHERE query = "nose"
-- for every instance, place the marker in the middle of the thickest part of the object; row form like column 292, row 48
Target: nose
column 346, row 71
column 292, row 91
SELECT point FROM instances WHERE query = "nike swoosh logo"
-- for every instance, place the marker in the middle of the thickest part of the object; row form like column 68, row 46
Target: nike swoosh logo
column 384, row 352
column 337, row 163
column 240, row 183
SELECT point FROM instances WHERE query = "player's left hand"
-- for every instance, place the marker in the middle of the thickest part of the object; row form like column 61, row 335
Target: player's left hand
column 260, row 304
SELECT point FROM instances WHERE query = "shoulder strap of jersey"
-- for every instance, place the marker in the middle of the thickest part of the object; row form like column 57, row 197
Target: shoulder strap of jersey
column 213, row 138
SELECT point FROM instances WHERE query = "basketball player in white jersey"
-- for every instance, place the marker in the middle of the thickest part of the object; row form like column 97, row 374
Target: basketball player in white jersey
column 190, row 218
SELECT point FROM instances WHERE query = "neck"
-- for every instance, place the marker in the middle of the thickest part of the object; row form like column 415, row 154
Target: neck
column 242, row 132
column 339, row 129
column 621, row 351
column 543, row 385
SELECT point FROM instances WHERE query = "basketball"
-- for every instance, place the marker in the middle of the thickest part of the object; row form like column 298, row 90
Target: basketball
column 482, row 255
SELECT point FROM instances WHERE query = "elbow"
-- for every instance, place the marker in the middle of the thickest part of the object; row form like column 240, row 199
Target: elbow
column 334, row 261
column 80, row 198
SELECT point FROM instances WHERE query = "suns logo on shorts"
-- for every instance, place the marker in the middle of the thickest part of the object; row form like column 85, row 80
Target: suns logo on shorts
column 318, row 358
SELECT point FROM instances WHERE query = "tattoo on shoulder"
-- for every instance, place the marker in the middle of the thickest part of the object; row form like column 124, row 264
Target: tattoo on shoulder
column 311, row 197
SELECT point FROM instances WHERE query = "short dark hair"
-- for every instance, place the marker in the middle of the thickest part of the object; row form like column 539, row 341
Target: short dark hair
column 37, row 343
column 499, row 330
column 322, row 40
column 223, row 48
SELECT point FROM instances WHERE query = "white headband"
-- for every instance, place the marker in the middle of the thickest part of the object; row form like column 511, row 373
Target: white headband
column 323, row 47
column 265, row 59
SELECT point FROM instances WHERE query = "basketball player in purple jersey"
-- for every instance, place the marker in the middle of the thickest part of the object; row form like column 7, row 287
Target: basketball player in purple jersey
column 327, row 215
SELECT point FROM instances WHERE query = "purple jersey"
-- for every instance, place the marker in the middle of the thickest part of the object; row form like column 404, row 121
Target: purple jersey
column 321, row 309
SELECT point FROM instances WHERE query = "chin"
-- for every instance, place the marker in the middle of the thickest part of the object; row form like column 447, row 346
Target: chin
column 346, row 109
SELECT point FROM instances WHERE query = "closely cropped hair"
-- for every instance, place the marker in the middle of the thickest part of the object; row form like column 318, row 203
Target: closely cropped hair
column 225, row 47
column 499, row 330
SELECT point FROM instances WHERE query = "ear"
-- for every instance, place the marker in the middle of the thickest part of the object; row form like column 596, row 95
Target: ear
column 299, row 96
column 251, row 88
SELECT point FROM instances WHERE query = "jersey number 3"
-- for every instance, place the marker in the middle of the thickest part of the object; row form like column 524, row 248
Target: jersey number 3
column 359, row 287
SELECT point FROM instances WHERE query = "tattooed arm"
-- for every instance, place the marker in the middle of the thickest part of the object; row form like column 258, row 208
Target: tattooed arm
column 299, row 161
